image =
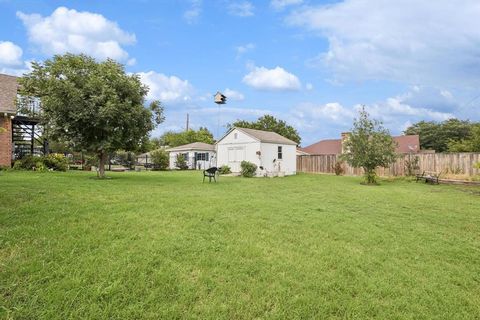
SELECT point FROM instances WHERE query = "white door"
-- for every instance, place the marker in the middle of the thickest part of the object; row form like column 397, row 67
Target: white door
column 235, row 156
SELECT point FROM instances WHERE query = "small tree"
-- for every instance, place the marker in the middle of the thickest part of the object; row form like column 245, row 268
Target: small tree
column 412, row 165
column 369, row 146
column 181, row 162
column 94, row 106
column 160, row 159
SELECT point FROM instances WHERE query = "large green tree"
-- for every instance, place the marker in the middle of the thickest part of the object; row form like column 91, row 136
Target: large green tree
column 94, row 106
column 437, row 135
column 469, row 144
column 174, row 139
column 270, row 123
column 369, row 146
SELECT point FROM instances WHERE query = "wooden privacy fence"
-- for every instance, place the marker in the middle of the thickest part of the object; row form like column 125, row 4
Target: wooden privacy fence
column 455, row 163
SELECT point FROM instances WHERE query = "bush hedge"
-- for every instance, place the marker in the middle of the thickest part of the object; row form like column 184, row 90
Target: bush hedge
column 53, row 161
column 224, row 169
column 248, row 169
column 160, row 159
column 181, row 162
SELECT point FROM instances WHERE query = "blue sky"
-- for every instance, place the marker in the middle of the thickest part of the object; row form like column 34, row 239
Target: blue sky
column 311, row 63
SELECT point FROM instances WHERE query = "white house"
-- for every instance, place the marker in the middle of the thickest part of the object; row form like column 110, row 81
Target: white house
column 271, row 152
column 198, row 155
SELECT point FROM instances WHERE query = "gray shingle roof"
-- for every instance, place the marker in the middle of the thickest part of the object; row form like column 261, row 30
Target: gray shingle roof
column 8, row 93
column 194, row 146
column 267, row 136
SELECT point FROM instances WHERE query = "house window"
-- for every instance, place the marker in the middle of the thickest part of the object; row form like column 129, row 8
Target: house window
column 280, row 154
column 202, row 156
column 235, row 135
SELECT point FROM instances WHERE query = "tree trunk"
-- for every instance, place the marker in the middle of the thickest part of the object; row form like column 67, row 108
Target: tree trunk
column 101, row 168
column 370, row 176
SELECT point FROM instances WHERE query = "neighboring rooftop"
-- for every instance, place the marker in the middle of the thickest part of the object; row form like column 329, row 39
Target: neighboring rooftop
column 331, row 146
column 267, row 136
column 194, row 146
column 405, row 144
column 8, row 93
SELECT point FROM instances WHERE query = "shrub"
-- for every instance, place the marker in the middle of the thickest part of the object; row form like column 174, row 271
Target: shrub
column 181, row 162
column 224, row 169
column 411, row 166
column 54, row 161
column 477, row 165
column 26, row 163
column 160, row 159
column 338, row 168
column 248, row 169
column 40, row 166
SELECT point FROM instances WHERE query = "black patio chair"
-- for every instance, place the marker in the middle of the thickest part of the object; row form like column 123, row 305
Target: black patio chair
column 210, row 173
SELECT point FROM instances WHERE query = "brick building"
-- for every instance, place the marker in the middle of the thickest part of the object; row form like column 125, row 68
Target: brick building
column 8, row 93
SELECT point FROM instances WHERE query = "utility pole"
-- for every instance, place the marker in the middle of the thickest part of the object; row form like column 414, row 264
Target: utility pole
column 219, row 98
column 187, row 122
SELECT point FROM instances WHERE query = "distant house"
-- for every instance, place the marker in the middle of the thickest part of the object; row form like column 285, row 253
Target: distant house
column 8, row 93
column 268, row 150
column 405, row 144
column 198, row 155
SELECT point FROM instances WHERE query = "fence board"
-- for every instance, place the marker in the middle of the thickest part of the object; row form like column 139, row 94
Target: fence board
column 455, row 163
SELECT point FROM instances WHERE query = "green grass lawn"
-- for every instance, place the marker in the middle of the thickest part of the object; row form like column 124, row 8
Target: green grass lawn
column 164, row 245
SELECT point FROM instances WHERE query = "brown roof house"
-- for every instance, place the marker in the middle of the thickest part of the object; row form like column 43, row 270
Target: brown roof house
column 405, row 144
column 8, row 93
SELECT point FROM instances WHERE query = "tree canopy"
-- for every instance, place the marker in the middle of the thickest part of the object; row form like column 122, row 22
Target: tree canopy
column 469, row 144
column 93, row 106
column 438, row 135
column 270, row 123
column 368, row 146
column 174, row 139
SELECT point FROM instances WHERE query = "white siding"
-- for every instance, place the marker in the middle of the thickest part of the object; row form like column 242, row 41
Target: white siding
column 235, row 148
column 192, row 164
column 238, row 146
column 287, row 164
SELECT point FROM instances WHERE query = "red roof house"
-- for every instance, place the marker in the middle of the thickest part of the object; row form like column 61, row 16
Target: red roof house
column 405, row 144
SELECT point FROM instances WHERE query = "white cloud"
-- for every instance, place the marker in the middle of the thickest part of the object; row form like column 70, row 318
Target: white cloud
column 193, row 14
column 320, row 121
column 10, row 54
column 277, row 79
column 68, row 30
column 309, row 115
column 281, row 4
column 166, row 88
column 241, row 9
column 233, row 95
column 425, row 42
column 395, row 108
column 309, row 86
column 244, row 49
